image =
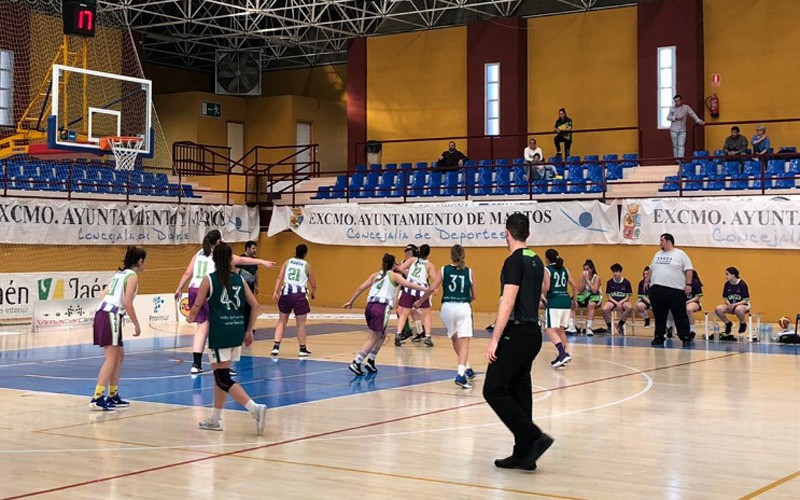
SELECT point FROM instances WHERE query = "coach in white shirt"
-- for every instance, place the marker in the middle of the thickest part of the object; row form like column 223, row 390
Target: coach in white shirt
column 667, row 284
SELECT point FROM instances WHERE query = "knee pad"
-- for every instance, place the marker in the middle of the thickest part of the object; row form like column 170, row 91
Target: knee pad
column 222, row 376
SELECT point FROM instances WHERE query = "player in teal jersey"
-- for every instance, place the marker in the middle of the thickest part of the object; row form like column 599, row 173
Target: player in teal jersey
column 590, row 295
column 226, row 293
column 558, row 303
column 456, row 313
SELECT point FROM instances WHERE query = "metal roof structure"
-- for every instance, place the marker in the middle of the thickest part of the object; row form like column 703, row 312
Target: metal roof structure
column 302, row 33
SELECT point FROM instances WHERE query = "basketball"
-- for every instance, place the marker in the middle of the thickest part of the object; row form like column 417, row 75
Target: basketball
column 784, row 322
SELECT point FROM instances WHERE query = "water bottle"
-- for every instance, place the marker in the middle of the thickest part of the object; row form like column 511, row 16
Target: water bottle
column 766, row 332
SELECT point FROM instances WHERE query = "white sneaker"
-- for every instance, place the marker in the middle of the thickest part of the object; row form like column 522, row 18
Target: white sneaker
column 210, row 424
column 275, row 351
column 589, row 332
column 196, row 369
column 261, row 418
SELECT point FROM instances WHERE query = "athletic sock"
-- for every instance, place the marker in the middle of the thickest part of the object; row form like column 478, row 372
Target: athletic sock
column 99, row 391
column 418, row 326
column 372, row 355
column 251, row 406
column 621, row 322
column 561, row 350
column 589, row 324
column 216, row 414
column 360, row 357
column 112, row 390
column 303, row 347
column 198, row 358
column 462, row 369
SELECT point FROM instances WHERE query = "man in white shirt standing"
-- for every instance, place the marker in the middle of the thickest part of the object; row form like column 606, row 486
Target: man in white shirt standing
column 677, row 129
column 667, row 284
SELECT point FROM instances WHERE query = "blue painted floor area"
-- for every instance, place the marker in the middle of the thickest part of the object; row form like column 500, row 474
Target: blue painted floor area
column 155, row 373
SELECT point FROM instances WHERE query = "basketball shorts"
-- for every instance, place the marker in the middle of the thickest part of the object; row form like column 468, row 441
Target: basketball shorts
column 407, row 300
column 647, row 304
column 107, row 329
column 557, row 318
column 297, row 302
column 225, row 354
column 457, row 319
column 377, row 316
column 202, row 315
column 584, row 299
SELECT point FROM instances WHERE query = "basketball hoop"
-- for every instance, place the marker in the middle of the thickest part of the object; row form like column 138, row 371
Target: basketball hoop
column 125, row 149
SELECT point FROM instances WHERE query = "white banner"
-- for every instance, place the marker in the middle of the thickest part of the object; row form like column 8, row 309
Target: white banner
column 65, row 222
column 445, row 224
column 721, row 222
column 79, row 313
column 20, row 291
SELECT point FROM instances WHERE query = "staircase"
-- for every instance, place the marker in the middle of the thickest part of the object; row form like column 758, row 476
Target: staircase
column 640, row 182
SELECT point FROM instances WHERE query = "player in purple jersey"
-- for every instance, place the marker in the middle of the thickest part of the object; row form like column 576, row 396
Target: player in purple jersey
column 618, row 291
column 737, row 302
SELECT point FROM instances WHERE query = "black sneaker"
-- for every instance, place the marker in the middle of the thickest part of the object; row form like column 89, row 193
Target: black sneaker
column 406, row 335
column 528, row 460
column 418, row 337
column 728, row 338
column 657, row 342
column 742, row 327
column 398, row 341
column 369, row 365
column 508, row 463
column 647, row 322
column 669, row 332
column 728, row 328
column 490, row 328
column 356, row 368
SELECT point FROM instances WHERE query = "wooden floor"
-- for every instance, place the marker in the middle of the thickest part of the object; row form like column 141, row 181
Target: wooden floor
column 629, row 421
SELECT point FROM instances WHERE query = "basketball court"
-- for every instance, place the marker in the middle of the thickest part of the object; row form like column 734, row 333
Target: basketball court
column 629, row 421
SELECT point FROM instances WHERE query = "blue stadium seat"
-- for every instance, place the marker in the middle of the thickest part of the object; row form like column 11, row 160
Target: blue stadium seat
column 630, row 160
column 421, row 165
column 451, row 186
column 417, row 187
column 323, row 193
column 737, row 182
column 385, row 184
column 558, row 186
column 715, row 184
column 756, row 183
column 776, row 166
column 361, row 168
column 689, row 170
column 434, row 186
column 752, row 168
column 503, row 180
column 786, row 181
column 519, row 178
column 375, row 167
column 613, row 167
column 671, row 184
column 390, row 167
column 355, row 185
column 700, row 154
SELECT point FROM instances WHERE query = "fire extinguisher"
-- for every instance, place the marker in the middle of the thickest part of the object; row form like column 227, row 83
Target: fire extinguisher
column 712, row 103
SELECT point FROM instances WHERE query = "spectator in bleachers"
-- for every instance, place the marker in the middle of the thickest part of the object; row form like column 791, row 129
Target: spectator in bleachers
column 541, row 170
column 735, row 144
column 563, row 127
column 677, row 129
column 760, row 141
column 452, row 159
column 531, row 151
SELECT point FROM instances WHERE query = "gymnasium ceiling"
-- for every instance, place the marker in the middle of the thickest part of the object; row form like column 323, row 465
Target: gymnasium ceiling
column 302, row 33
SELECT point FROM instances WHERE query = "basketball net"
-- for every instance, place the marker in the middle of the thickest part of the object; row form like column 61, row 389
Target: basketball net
column 125, row 149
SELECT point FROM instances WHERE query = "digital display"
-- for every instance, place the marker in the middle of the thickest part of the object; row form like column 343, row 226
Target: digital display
column 79, row 17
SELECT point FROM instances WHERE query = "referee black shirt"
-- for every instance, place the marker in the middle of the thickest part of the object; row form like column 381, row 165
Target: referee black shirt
column 524, row 269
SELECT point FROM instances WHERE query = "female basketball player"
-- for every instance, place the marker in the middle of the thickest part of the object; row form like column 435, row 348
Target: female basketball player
column 591, row 294
column 116, row 301
column 456, row 313
column 382, row 292
column 414, row 322
column 227, row 292
column 643, row 302
column 558, row 305
column 291, row 290
column 201, row 265
column 420, row 270
column 737, row 302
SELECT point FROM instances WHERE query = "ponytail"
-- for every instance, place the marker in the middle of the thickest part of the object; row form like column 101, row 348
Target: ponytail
column 223, row 257
column 553, row 258
column 457, row 255
column 386, row 265
column 210, row 241
column 132, row 257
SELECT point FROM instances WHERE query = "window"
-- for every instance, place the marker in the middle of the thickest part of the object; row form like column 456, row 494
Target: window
column 492, row 98
column 6, row 89
column 666, row 83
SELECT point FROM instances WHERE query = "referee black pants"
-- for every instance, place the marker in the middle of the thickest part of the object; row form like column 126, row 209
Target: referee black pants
column 246, row 310
column 508, row 388
column 664, row 300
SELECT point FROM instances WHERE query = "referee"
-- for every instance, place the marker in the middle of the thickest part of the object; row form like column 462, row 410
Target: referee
column 668, row 283
column 516, row 340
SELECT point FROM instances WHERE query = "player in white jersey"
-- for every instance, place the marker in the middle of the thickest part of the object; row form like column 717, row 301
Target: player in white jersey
column 414, row 323
column 420, row 270
column 382, row 292
column 456, row 313
column 294, row 284
column 116, row 301
column 201, row 265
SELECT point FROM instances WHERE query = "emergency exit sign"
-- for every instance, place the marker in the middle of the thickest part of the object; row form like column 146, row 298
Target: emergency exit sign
column 211, row 109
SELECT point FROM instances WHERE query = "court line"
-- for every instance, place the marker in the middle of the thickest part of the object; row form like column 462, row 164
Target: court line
column 771, row 486
column 330, row 433
column 414, row 478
